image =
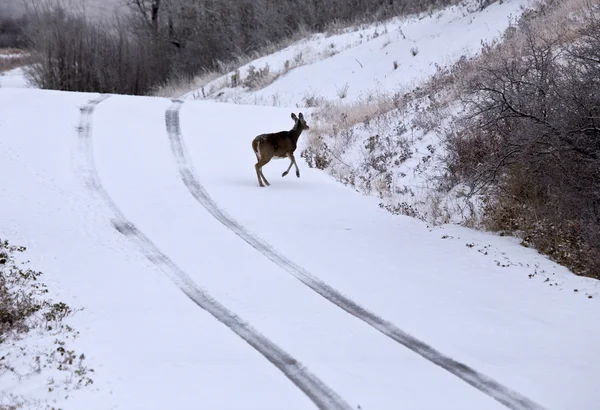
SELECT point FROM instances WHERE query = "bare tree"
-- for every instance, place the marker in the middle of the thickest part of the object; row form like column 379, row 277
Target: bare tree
column 73, row 53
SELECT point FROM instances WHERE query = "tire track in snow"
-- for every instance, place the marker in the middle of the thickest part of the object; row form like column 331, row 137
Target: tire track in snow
column 508, row 397
column 320, row 394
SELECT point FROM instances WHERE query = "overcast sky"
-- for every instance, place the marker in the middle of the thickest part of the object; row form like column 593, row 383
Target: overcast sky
column 94, row 7
column 9, row 7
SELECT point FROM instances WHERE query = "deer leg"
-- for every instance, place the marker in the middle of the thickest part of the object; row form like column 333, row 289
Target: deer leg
column 263, row 176
column 295, row 165
column 256, row 167
column 290, row 167
column 259, row 173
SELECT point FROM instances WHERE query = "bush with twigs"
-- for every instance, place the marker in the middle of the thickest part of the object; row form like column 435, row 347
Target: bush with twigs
column 528, row 141
column 73, row 53
column 26, row 311
column 12, row 30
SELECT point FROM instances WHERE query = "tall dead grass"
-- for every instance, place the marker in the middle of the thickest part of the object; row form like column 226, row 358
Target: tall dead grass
column 11, row 58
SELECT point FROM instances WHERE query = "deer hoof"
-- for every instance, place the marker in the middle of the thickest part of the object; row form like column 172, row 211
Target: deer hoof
column 298, row 174
column 284, row 174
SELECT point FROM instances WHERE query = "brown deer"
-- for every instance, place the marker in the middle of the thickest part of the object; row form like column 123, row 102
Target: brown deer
column 280, row 144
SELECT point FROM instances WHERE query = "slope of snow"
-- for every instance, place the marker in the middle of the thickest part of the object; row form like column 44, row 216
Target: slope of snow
column 363, row 58
column 120, row 228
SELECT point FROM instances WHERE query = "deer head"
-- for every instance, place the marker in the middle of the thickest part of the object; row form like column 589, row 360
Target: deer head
column 300, row 121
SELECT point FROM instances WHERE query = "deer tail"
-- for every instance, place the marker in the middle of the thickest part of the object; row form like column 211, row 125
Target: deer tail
column 256, row 148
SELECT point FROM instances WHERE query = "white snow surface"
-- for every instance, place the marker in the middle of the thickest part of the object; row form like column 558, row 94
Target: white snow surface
column 153, row 348
column 14, row 78
column 481, row 299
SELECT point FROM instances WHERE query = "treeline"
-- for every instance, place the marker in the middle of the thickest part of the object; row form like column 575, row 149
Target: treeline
column 163, row 39
column 12, row 28
column 205, row 31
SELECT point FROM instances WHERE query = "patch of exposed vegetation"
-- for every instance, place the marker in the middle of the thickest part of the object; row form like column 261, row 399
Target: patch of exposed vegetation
column 527, row 143
column 11, row 58
column 34, row 336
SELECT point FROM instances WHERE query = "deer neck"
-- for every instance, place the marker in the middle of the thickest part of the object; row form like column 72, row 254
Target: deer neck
column 296, row 131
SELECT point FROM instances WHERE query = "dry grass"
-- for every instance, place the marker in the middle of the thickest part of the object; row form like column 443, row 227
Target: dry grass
column 11, row 51
column 11, row 58
column 178, row 86
column 332, row 115
column 228, row 75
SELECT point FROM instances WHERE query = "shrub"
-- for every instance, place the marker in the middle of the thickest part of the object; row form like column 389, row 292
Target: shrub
column 259, row 78
column 529, row 139
column 72, row 53
column 12, row 59
column 25, row 308
column 20, row 291
column 342, row 92
column 12, row 29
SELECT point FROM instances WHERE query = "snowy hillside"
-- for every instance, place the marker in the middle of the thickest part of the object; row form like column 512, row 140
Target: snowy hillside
column 364, row 89
column 199, row 289
column 360, row 60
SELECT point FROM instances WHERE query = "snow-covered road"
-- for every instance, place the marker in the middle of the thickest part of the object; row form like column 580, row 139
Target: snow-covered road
column 303, row 294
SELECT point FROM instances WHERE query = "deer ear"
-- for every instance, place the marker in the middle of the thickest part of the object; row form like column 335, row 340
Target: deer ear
column 294, row 117
column 300, row 115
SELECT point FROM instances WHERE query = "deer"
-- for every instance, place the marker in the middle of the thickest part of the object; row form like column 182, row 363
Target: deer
column 280, row 144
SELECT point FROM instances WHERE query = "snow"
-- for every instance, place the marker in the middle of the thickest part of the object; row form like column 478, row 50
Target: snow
column 14, row 79
column 152, row 347
column 200, row 289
